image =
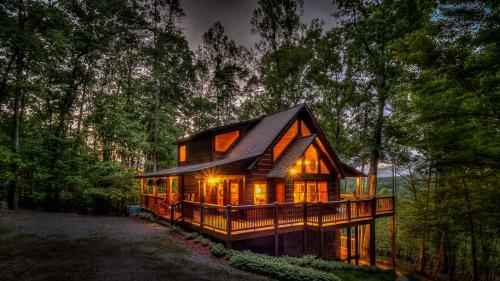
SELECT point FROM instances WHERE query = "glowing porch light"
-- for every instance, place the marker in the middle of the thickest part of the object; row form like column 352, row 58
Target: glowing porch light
column 212, row 180
column 293, row 171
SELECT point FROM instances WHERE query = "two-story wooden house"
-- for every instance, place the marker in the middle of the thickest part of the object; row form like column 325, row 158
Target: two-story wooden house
column 274, row 177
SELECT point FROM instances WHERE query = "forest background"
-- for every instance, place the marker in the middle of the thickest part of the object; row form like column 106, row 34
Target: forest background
column 93, row 92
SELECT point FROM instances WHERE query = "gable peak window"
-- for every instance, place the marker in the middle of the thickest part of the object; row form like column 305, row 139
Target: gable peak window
column 224, row 141
column 285, row 140
column 304, row 129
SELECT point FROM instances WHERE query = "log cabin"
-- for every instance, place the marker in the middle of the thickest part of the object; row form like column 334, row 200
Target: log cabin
column 271, row 181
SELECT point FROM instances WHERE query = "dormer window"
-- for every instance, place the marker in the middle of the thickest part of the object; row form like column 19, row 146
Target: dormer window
column 290, row 134
column 182, row 153
column 224, row 141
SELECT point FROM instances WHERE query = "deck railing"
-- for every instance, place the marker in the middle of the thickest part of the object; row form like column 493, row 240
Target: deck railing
column 244, row 218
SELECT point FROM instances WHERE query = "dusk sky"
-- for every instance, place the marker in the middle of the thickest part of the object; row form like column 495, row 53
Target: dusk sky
column 235, row 16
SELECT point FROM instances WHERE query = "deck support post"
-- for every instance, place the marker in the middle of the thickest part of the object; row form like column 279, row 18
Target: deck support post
column 229, row 226
column 276, row 235
column 202, row 200
column 349, row 256
column 372, row 244
column 356, row 245
column 304, row 235
column 321, row 232
column 348, row 207
column 393, row 242
column 172, row 217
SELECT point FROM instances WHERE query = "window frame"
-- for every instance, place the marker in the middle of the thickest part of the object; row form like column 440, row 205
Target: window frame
column 264, row 193
column 233, row 142
column 183, row 148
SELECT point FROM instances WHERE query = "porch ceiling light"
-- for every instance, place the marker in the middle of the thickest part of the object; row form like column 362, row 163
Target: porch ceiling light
column 212, row 180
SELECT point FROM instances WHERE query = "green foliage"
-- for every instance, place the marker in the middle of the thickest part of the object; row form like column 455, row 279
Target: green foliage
column 218, row 250
column 276, row 268
column 192, row 236
column 329, row 266
column 175, row 229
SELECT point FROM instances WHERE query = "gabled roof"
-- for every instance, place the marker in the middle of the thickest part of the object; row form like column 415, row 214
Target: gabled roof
column 261, row 136
column 188, row 169
column 294, row 151
column 264, row 133
column 219, row 129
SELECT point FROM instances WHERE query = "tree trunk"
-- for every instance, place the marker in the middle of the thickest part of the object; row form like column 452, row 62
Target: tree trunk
column 422, row 252
column 12, row 194
column 473, row 245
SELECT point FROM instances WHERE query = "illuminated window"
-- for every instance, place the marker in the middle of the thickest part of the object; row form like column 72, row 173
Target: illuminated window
column 280, row 192
column 323, row 191
column 260, row 193
column 220, row 194
column 323, row 167
column 297, row 166
column 182, row 153
column 311, row 160
column 160, row 186
column 285, row 140
column 299, row 191
column 304, row 130
column 224, row 141
column 234, row 190
column 312, row 191
column 144, row 186
column 151, row 187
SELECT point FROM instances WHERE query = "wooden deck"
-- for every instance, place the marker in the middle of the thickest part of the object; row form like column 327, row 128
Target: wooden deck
column 231, row 223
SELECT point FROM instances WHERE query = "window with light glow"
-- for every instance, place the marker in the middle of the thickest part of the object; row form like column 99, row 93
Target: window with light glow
column 234, row 190
column 144, row 186
column 297, row 167
column 299, row 191
column 304, row 130
column 312, row 192
column 323, row 191
column 224, row 141
column 285, row 140
column 311, row 160
column 260, row 193
column 182, row 153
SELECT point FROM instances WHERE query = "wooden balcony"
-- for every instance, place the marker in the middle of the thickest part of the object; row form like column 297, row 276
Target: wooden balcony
column 232, row 223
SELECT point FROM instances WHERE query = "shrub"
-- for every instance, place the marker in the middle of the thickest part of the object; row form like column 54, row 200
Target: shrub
column 192, row 236
column 276, row 267
column 175, row 229
column 218, row 250
column 329, row 266
column 204, row 241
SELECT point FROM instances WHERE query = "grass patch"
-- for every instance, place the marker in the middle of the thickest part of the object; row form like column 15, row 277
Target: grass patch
column 3, row 229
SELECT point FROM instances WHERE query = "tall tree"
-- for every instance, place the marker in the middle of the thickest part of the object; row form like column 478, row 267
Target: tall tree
column 222, row 72
column 278, row 25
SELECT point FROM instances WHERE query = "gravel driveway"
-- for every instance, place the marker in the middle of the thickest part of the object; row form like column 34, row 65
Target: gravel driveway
column 57, row 246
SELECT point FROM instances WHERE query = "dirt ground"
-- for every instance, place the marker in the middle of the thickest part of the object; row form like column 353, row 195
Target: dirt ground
column 56, row 246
